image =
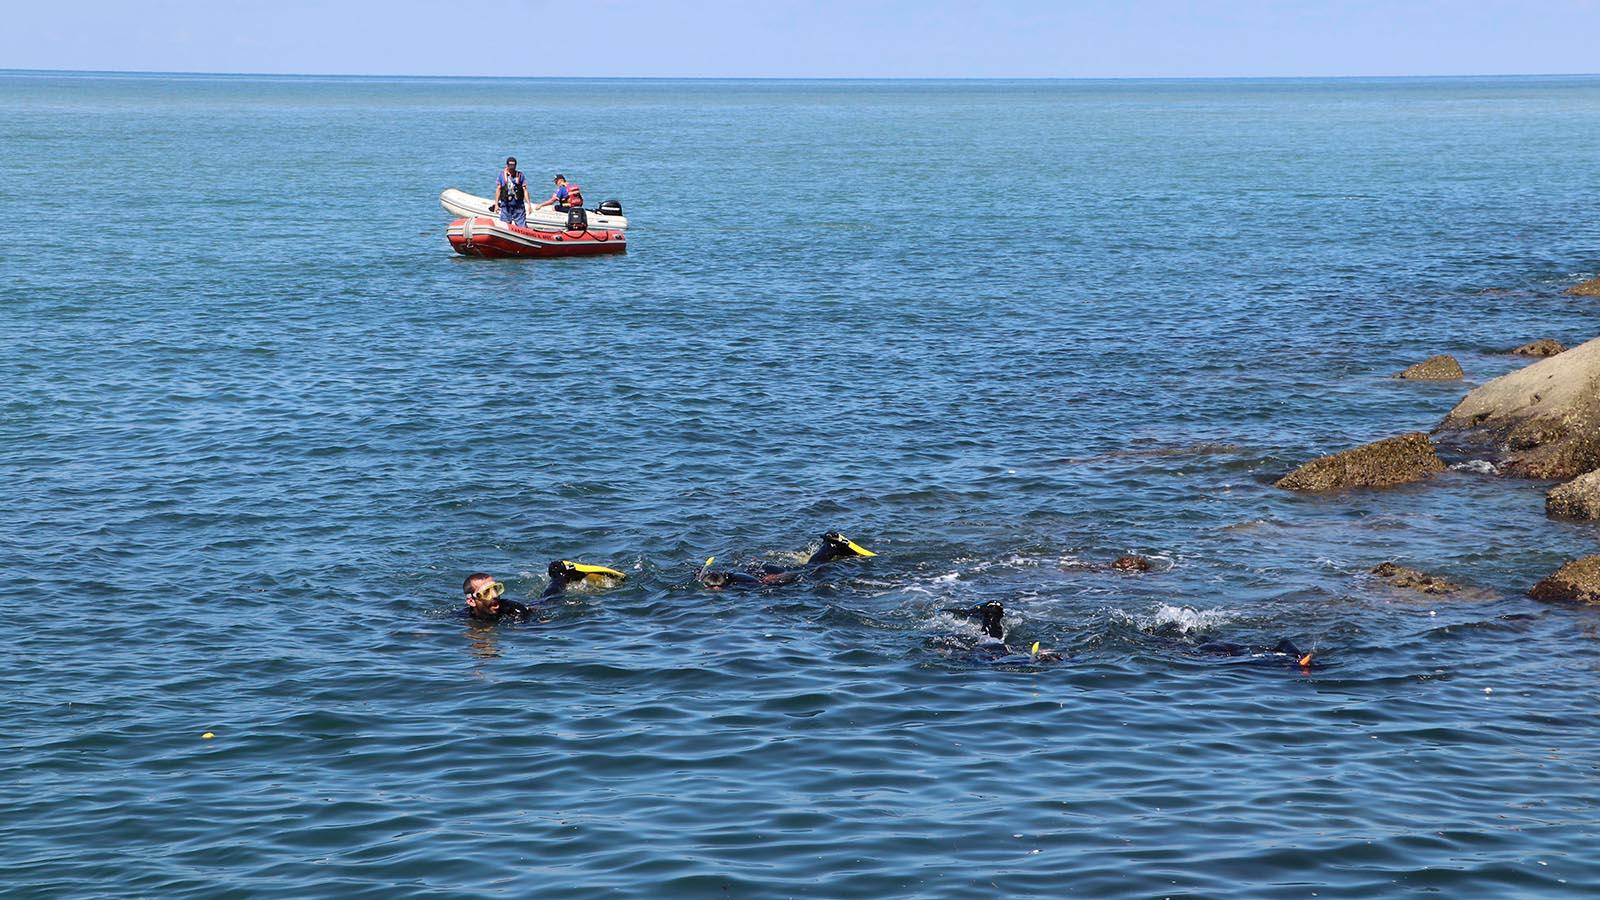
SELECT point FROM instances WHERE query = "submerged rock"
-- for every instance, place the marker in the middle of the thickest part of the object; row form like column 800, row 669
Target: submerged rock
column 1435, row 368
column 1577, row 499
column 1541, row 347
column 1543, row 420
column 1411, row 579
column 1576, row 582
column 1590, row 288
column 1130, row 563
column 1385, row 463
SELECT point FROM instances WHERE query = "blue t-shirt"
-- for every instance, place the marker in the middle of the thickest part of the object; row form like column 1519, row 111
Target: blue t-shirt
column 561, row 194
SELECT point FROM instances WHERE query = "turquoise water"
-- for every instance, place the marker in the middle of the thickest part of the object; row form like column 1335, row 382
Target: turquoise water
column 259, row 422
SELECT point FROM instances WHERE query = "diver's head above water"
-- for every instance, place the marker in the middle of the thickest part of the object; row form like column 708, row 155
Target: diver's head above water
column 836, row 546
column 483, row 595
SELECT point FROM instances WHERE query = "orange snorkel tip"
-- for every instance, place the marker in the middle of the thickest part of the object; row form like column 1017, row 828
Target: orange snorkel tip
column 1305, row 661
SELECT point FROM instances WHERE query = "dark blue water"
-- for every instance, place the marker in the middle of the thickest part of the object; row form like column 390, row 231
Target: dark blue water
column 258, row 422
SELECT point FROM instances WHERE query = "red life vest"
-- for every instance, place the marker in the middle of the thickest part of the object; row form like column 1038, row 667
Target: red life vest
column 574, row 196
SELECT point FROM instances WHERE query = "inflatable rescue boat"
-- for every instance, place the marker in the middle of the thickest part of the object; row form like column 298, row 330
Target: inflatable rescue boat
column 606, row 217
column 487, row 236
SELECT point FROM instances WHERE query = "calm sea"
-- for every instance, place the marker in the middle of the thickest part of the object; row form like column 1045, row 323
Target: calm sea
column 257, row 422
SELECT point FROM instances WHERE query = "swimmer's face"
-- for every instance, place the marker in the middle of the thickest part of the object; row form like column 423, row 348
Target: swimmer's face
column 715, row 580
column 481, row 596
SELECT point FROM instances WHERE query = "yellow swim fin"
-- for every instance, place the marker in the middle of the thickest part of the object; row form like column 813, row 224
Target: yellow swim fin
column 589, row 571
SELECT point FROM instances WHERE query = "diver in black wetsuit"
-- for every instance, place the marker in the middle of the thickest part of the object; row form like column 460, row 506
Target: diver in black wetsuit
column 720, row 580
column 1283, row 650
column 835, row 546
column 990, row 617
column 564, row 573
column 485, row 603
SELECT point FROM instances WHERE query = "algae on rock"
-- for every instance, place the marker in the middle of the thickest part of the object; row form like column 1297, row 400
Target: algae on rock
column 1590, row 288
column 1411, row 579
column 1385, row 463
column 1434, row 368
column 1577, row 499
column 1541, row 347
column 1575, row 582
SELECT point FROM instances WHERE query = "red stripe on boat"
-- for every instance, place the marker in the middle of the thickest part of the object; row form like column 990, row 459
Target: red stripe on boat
column 494, row 238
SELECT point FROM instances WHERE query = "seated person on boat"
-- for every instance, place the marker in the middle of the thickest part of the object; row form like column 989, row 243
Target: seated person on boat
column 566, row 196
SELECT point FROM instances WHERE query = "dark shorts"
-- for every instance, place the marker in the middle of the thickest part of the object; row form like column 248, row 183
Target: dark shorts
column 516, row 215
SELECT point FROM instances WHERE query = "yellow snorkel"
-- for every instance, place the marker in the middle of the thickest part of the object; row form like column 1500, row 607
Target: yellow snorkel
column 565, row 571
column 857, row 549
column 836, row 546
column 589, row 571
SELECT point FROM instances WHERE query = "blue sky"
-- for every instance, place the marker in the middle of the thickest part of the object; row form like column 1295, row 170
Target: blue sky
column 868, row 38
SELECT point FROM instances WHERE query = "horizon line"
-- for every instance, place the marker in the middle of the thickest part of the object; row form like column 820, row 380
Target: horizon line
column 332, row 75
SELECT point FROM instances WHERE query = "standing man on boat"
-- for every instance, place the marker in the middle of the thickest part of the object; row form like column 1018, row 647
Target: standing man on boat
column 511, row 195
column 567, row 196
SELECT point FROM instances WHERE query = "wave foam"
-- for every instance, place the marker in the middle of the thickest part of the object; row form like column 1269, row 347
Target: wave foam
column 1183, row 619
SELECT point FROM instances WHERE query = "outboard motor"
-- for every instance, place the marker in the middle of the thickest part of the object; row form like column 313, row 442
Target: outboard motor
column 610, row 208
column 577, row 219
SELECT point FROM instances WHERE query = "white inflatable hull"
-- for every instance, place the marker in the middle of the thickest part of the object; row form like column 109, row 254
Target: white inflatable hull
column 463, row 205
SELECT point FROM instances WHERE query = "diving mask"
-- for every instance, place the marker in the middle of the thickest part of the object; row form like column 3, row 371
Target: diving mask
column 489, row 591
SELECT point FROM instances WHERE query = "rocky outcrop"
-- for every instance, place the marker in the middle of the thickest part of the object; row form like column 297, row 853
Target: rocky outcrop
column 1385, row 463
column 1577, row 499
column 1543, row 421
column 1576, row 582
column 1435, row 368
column 1413, row 580
column 1541, row 347
column 1590, row 288
column 1130, row 563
